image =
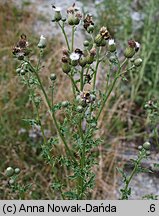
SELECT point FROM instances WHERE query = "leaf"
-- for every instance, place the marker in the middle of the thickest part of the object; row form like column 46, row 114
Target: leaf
column 31, row 122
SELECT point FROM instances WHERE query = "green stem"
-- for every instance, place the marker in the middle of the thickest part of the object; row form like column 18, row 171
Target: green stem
column 72, row 44
column 107, row 96
column 37, row 111
column 96, row 70
column 111, row 88
column 74, row 86
column 82, row 162
column 65, row 36
column 131, row 176
column 53, row 115
column 81, row 79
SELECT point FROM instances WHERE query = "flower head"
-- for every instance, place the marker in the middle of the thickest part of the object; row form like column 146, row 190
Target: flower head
column 74, row 56
column 57, row 9
column 42, row 42
column 111, row 42
column 57, row 15
column 137, row 47
column 111, row 45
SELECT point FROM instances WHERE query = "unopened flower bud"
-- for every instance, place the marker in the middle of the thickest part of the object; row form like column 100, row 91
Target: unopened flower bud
column 9, row 171
column 42, row 42
column 79, row 109
column 11, row 181
column 86, row 43
column 22, row 72
column 140, row 147
column 82, row 61
column 90, row 29
column 129, row 52
column 138, row 62
column 66, row 68
column 103, row 43
column 65, row 104
column 18, row 70
column 17, row 170
column 53, row 76
column 148, row 153
column 98, row 39
column 146, row 146
column 90, row 59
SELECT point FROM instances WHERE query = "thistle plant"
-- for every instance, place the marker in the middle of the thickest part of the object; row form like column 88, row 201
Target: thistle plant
column 16, row 188
column 144, row 152
column 81, row 113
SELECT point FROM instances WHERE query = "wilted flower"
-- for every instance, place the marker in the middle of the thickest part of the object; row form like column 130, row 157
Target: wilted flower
column 74, row 15
column 65, row 51
column 104, row 33
column 88, row 21
column 102, row 36
column 21, row 49
column 130, row 50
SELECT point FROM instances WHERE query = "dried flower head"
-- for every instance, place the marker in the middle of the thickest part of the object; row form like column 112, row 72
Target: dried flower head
column 132, row 43
column 20, row 50
column 65, row 59
column 65, row 52
column 104, row 33
column 85, row 98
column 72, row 9
column 78, row 15
column 93, row 52
column 88, row 20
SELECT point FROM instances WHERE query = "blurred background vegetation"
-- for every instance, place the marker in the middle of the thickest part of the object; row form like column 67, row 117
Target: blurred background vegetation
column 124, row 124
